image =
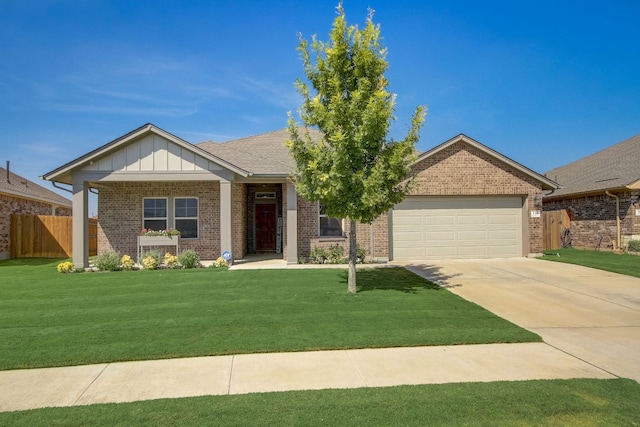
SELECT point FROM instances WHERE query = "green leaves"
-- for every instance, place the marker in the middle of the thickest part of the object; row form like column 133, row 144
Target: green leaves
column 353, row 170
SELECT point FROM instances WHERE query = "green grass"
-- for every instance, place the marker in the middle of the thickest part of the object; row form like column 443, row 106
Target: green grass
column 582, row 402
column 53, row 319
column 602, row 260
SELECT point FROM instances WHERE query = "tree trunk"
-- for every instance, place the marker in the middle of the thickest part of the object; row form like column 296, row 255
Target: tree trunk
column 351, row 287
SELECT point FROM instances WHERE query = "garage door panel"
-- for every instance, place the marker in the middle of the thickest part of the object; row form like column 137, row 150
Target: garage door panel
column 440, row 235
column 409, row 236
column 472, row 235
column 457, row 227
column 504, row 251
column 436, row 220
column 439, row 252
column 472, row 251
column 502, row 219
column 511, row 235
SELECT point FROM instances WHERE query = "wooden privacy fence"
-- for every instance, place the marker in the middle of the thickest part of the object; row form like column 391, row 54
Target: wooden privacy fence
column 45, row 236
column 554, row 224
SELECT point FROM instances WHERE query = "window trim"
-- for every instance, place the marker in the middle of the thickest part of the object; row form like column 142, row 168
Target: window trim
column 324, row 215
column 170, row 219
column 165, row 218
column 197, row 217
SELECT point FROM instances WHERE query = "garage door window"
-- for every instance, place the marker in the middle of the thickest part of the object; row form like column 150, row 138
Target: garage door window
column 329, row 227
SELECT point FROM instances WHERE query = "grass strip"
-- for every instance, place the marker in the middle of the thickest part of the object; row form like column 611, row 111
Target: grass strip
column 579, row 402
column 602, row 260
column 52, row 319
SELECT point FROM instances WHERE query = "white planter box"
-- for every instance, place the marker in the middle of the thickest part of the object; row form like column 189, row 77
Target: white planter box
column 158, row 240
column 150, row 241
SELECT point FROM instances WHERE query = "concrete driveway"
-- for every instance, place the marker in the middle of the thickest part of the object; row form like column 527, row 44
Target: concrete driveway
column 590, row 314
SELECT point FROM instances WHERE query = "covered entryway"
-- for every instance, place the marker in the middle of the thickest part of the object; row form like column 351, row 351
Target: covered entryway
column 457, row 227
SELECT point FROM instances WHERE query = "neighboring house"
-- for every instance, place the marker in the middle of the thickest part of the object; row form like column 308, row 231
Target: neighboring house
column 468, row 201
column 600, row 193
column 20, row 196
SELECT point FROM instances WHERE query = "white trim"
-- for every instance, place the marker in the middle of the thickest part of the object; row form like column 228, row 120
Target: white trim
column 197, row 217
column 166, row 217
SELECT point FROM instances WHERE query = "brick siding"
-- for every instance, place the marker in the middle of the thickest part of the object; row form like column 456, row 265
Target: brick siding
column 462, row 170
column 120, row 215
column 593, row 218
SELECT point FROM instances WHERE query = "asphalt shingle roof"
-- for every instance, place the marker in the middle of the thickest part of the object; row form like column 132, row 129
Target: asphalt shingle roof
column 22, row 187
column 263, row 154
column 614, row 167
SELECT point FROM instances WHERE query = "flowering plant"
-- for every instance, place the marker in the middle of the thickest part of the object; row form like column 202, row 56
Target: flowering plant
column 127, row 262
column 165, row 233
column 150, row 263
column 171, row 261
column 66, row 267
column 220, row 262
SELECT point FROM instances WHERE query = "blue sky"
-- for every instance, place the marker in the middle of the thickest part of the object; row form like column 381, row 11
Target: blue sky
column 543, row 82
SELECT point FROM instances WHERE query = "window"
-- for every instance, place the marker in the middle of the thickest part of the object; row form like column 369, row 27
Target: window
column 186, row 213
column 155, row 214
column 329, row 226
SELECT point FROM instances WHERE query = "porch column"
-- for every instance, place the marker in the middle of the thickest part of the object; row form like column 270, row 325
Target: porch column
column 292, row 224
column 80, row 223
column 226, row 219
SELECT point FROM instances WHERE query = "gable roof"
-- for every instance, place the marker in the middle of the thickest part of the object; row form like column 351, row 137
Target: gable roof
column 615, row 167
column 63, row 173
column 17, row 186
column 264, row 154
column 547, row 184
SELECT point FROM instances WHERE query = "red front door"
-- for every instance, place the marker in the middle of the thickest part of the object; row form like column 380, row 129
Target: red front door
column 265, row 227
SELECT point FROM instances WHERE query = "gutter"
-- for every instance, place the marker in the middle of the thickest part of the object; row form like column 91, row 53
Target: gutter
column 618, row 234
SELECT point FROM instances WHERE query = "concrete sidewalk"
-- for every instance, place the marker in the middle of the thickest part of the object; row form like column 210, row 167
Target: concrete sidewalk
column 223, row 375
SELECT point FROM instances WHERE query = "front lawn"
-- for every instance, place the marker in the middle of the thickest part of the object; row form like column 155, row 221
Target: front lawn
column 602, row 260
column 53, row 319
column 583, row 402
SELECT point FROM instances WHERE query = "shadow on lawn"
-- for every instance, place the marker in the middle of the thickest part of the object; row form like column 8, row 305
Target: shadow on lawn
column 34, row 262
column 399, row 279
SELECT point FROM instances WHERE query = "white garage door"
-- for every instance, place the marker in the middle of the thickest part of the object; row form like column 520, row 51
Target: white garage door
column 457, row 227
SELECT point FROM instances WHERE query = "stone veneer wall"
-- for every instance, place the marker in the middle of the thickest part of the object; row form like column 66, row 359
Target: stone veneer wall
column 462, row 170
column 593, row 218
column 120, row 215
column 10, row 205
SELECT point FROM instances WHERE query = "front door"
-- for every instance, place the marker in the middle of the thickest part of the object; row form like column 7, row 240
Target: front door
column 265, row 227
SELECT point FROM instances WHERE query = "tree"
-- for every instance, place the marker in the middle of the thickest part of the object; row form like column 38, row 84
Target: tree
column 353, row 170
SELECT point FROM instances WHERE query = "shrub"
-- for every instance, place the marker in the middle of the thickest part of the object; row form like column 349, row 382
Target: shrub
column 220, row 262
column 109, row 261
column 360, row 254
column 335, row 255
column 317, row 255
column 171, row 261
column 127, row 263
column 634, row 245
column 189, row 259
column 66, row 267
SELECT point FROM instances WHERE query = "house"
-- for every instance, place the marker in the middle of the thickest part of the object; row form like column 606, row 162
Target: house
column 19, row 196
column 600, row 193
column 468, row 201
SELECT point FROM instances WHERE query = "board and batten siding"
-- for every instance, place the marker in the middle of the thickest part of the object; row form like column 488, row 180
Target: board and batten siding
column 152, row 153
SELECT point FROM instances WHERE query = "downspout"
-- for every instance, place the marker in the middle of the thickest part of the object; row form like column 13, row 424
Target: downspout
column 372, row 242
column 618, row 236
